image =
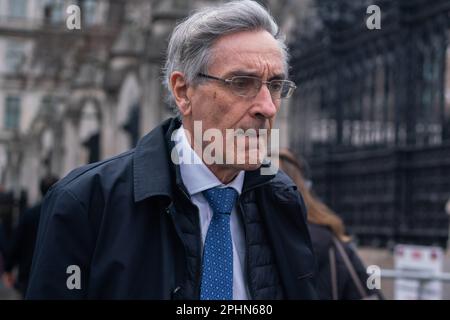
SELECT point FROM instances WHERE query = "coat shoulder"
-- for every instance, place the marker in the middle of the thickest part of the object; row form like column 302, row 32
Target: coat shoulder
column 284, row 190
column 82, row 181
column 282, row 179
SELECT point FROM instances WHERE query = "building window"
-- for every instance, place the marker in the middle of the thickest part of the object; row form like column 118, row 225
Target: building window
column 446, row 133
column 89, row 12
column 17, row 8
column 47, row 103
column 132, row 125
column 12, row 112
column 15, row 57
column 54, row 11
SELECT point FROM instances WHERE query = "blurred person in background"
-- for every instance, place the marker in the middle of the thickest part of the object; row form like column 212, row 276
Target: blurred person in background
column 5, row 213
column 2, row 248
column 21, row 249
column 341, row 273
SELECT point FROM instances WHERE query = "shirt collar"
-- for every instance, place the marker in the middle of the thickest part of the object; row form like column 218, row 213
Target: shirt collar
column 196, row 175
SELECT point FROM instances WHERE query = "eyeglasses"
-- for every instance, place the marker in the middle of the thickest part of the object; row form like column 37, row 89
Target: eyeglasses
column 247, row 86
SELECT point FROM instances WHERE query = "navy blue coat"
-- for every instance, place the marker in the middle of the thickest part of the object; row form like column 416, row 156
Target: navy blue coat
column 115, row 221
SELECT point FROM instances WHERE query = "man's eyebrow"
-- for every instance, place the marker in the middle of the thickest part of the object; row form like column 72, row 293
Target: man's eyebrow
column 250, row 73
column 280, row 76
column 241, row 72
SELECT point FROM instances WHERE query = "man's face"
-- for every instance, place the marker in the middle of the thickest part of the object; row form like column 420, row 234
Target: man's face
column 249, row 53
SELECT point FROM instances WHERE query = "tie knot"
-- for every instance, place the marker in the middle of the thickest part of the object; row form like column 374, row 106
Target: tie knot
column 221, row 200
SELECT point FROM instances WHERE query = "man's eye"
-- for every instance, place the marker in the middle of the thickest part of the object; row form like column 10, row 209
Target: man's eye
column 276, row 86
column 242, row 83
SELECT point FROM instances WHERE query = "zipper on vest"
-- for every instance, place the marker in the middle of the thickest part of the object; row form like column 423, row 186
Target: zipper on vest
column 251, row 291
column 199, row 262
column 249, row 284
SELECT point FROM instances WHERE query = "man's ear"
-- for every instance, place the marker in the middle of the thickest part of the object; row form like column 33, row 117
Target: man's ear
column 179, row 90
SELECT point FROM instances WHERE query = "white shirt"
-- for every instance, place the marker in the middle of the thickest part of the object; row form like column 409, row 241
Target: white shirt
column 197, row 178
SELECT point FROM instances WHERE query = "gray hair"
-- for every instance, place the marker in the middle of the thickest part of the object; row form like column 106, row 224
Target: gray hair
column 189, row 49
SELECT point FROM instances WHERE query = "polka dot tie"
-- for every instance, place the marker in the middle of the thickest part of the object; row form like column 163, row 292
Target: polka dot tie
column 217, row 268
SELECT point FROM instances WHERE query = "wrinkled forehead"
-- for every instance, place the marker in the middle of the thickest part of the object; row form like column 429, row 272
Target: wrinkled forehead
column 249, row 52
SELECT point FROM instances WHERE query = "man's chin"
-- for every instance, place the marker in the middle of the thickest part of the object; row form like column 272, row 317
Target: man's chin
column 247, row 167
column 249, row 160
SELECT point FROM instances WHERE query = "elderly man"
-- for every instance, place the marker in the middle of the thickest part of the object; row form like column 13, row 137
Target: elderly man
column 146, row 225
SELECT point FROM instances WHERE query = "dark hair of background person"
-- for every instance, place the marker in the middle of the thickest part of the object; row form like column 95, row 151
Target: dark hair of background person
column 46, row 183
column 318, row 212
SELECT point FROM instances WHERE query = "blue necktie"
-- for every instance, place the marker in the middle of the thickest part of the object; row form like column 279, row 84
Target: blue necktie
column 217, row 268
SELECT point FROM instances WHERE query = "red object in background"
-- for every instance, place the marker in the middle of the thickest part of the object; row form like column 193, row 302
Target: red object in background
column 416, row 255
column 434, row 255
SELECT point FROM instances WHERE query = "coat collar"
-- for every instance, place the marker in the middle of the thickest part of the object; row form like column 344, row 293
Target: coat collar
column 154, row 173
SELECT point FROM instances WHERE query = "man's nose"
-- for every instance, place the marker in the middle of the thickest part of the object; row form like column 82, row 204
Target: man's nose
column 263, row 104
